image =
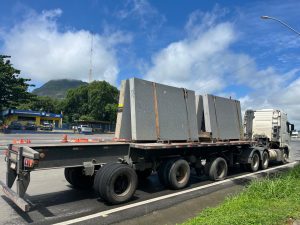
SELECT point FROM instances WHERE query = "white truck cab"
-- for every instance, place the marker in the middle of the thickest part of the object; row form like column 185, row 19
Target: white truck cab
column 270, row 123
column 270, row 126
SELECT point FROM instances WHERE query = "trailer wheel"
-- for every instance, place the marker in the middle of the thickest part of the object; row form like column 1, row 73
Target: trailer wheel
column 76, row 177
column 285, row 156
column 67, row 175
column 163, row 171
column 160, row 172
column 99, row 176
column 254, row 165
column 118, row 183
column 143, row 174
column 178, row 174
column 265, row 160
column 217, row 169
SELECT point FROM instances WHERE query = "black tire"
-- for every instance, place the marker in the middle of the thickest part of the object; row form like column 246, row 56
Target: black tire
column 67, row 175
column 285, row 156
column 217, row 169
column 265, row 160
column 76, row 177
column 160, row 172
column 118, row 183
column 254, row 165
column 143, row 174
column 162, row 176
column 178, row 174
column 99, row 176
column 163, row 171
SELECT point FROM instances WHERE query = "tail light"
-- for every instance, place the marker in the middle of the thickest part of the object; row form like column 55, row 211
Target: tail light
column 30, row 163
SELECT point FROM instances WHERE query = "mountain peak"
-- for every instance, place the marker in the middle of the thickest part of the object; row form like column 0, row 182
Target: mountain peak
column 57, row 88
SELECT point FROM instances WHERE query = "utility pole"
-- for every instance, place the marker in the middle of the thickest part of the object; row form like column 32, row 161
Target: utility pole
column 91, row 61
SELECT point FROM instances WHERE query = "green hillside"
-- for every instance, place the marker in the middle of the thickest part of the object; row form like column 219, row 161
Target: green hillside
column 57, row 88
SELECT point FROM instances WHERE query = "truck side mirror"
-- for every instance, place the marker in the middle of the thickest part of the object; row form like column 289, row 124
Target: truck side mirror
column 292, row 127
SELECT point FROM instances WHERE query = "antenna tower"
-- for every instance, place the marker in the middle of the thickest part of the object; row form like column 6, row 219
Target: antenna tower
column 91, row 61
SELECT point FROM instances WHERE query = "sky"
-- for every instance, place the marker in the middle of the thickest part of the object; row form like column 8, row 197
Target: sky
column 218, row 47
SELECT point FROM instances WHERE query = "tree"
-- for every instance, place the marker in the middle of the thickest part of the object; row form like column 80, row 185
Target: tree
column 101, row 95
column 76, row 102
column 43, row 103
column 13, row 89
column 86, row 118
column 111, row 112
column 96, row 101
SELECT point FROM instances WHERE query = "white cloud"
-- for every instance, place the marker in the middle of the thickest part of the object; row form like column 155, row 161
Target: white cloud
column 205, row 62
column 274, row 90
column 197, row 62
column 141, row 11
column 42, row 50
column 187, row 62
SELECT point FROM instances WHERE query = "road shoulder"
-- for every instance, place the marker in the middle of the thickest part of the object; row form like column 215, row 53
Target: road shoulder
column 183, row 211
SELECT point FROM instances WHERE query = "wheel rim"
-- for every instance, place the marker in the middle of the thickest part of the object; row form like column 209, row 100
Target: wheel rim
column 285, row 157
column 265, row 160
column 221, row 169
column 181, row 174
column 122, row 185
column 255, row 161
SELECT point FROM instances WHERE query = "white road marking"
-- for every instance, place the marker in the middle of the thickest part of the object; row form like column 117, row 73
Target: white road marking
column 107, row 212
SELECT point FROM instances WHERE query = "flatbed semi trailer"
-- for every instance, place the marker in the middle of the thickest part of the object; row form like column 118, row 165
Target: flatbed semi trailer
column 170, row 131
column 113, row 169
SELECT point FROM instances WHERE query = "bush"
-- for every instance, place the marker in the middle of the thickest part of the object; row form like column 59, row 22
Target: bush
column 268, row 201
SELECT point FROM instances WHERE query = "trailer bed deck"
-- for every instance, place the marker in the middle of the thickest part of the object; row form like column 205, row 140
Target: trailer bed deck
column 187, row 144
column 24, row 158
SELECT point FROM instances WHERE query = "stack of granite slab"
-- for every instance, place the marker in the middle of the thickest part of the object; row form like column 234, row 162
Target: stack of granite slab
column 221, row 117
column 150, row 111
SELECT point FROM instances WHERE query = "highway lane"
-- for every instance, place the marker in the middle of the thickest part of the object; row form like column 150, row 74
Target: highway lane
column 295, row 152
column 47, row 138
column 56, row 201
column 38, row 138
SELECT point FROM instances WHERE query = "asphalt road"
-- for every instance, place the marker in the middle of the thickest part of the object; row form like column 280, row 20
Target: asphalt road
column 47, row 137
column 50, row 137
column 55, row 200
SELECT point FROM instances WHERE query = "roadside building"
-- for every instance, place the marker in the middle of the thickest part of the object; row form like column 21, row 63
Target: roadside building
column 28, row 116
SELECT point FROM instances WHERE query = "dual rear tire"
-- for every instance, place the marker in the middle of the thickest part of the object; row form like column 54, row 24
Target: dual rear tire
column 216, row 169
column 76, row 177
column 265, row 160
column 257, row 163
column 115, row 183
column 174, row 173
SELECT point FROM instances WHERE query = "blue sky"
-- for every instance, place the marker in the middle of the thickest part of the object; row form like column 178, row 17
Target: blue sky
column 220, row 47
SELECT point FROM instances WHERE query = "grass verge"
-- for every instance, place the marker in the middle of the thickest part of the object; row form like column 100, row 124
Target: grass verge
column 268, row 201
